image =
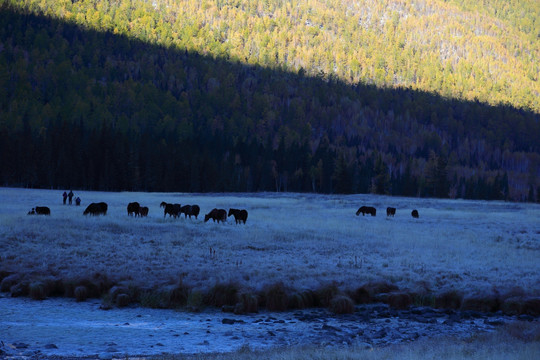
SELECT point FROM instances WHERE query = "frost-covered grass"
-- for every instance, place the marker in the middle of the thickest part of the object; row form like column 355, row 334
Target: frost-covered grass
column 304, row 241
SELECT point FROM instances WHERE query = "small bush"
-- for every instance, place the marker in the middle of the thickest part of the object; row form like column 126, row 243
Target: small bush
column 53, row 286
column 123, row 300
column 20, row 289
column 222, row 294
column 448, row 300
column 116, row 291
column 81, row 293
column 380, row 287
column 37, row 291
column 9, row 281
column 341, row 304
column 195, row 300
column 276, row 298
column 249, row 304
column 531, row 307
column 179, row 295
column 512, row 306
column 154, row 299
column 326, row 294
column 302, row 300
column 399, row 300
column 362, row 295
column 480, row 302
column 4, row 274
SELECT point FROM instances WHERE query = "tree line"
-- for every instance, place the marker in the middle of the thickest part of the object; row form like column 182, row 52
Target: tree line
column 94, row 110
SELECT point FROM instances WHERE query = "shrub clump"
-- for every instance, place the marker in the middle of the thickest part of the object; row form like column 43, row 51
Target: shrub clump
column 341, row 304
column 326, row 294
column 9, row 281
column 361, row 295
column 222, row 294
column 123, row 300
column 37, row 290
column 448, row 300
column 81, row 293
column 531, row 307
column 399, row 300
column 481, row 302
column 20, row 289
column 249, row 303
column 302, row 300
column 276, row 298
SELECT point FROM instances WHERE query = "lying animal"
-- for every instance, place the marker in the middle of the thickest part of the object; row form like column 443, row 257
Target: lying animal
column 43, row 210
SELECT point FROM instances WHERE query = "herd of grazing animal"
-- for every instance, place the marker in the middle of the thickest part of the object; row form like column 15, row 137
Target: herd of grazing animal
column 390, row 211
column 176, row 210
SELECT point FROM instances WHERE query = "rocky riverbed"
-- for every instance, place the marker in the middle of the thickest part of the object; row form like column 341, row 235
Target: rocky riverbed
column 61, row 327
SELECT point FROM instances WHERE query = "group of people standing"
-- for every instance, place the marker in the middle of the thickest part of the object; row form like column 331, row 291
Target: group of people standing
column 69, row 196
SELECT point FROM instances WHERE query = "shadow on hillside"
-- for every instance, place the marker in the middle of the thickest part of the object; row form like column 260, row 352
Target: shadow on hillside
column 92, row 80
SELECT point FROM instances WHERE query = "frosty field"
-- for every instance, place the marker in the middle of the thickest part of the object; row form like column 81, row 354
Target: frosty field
column 303, row 241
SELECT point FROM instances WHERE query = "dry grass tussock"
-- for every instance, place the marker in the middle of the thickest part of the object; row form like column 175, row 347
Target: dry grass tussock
column 312, row 246
column 517, row 341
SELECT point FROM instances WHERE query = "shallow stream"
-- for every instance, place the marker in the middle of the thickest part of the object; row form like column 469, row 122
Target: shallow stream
column 62, row 327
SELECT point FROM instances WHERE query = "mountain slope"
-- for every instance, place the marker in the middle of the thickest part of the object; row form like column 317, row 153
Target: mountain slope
column 85, row 107
column 459, row 48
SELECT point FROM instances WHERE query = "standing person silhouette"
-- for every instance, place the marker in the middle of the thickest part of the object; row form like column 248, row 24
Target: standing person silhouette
column 64, row 196
column 70, row 196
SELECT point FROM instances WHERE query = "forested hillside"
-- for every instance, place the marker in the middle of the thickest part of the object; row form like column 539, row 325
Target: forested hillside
column 420, row 98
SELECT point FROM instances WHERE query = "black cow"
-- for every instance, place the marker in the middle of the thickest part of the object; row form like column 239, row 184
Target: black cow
column 390, row 211
column 133, row 208
column 96, row 209
column 171, row 209
column 367, row 210
column 216, row 215
column 143, row 211
column 239, row 215
column 414, row 214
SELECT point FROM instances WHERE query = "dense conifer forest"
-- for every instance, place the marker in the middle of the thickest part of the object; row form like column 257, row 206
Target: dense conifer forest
column 415, row 98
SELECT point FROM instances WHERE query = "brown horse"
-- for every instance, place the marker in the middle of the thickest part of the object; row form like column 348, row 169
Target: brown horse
column 171, row 209
column 133, row 208
column 195, row 210
column 370, row 210
column 96, row 209
column 239, row 215
column 143, row 211
column 216, row 215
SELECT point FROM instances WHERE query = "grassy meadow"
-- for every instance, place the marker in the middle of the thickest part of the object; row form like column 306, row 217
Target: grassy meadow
column 299, row 241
